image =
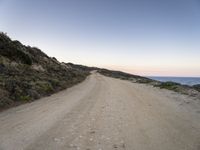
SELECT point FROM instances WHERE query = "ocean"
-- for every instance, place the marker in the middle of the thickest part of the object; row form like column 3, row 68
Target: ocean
column 182, row 80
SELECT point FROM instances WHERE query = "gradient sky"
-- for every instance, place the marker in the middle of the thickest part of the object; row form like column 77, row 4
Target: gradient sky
column 145, row 37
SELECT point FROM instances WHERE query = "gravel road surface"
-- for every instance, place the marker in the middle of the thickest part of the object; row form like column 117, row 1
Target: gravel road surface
column 104, row 113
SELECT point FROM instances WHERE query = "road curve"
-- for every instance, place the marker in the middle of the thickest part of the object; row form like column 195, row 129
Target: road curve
column 104, row 113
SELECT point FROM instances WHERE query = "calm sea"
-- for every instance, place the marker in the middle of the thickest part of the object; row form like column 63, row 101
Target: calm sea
column 182, row 80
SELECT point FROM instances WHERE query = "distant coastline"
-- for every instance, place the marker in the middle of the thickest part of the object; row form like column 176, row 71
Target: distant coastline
column 182, row 80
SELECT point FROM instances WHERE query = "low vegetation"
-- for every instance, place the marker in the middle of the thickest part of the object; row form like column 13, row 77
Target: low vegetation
column 169, row 85
column 183, row 89
column 197, row 87
column 124, row 76
column 26, row 73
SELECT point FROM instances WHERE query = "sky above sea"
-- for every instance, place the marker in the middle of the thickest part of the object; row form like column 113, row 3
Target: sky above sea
column 144, row 37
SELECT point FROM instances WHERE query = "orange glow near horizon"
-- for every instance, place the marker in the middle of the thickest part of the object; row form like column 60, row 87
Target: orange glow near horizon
column 155, row 71
column 144, row 38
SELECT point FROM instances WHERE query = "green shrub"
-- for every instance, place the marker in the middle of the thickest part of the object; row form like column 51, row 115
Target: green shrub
column 169, row 85
column 54, row 82
column 25, row 98
column 4, row 37
column 14, row 50
column 196, row 87
column 143, row 80
column 45, row 87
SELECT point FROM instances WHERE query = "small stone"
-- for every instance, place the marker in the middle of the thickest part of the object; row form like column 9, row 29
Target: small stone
column 92, row 132
column 115, row 146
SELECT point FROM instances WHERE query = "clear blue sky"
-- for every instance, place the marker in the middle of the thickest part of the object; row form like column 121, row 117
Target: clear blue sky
column 146, row 37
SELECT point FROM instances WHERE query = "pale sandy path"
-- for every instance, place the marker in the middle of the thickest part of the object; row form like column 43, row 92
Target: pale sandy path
column 103, row 114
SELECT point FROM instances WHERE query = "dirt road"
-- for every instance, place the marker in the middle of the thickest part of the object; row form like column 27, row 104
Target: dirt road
column 104, row 113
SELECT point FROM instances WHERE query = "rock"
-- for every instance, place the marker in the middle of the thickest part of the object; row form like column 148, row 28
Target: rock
column 115, row 146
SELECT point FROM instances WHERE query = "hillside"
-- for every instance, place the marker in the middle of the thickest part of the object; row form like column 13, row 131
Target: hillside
column 193, row 91
column 26, row 73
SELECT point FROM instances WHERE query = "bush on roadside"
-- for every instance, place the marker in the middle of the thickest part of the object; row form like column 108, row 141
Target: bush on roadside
column 197, row 87
column 169, row 85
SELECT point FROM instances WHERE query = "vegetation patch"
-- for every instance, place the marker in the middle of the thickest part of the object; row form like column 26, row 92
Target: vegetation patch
column 25, row 98
column 197, row 87
column 169, row 85
column 44, row 87
column 26, row 73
